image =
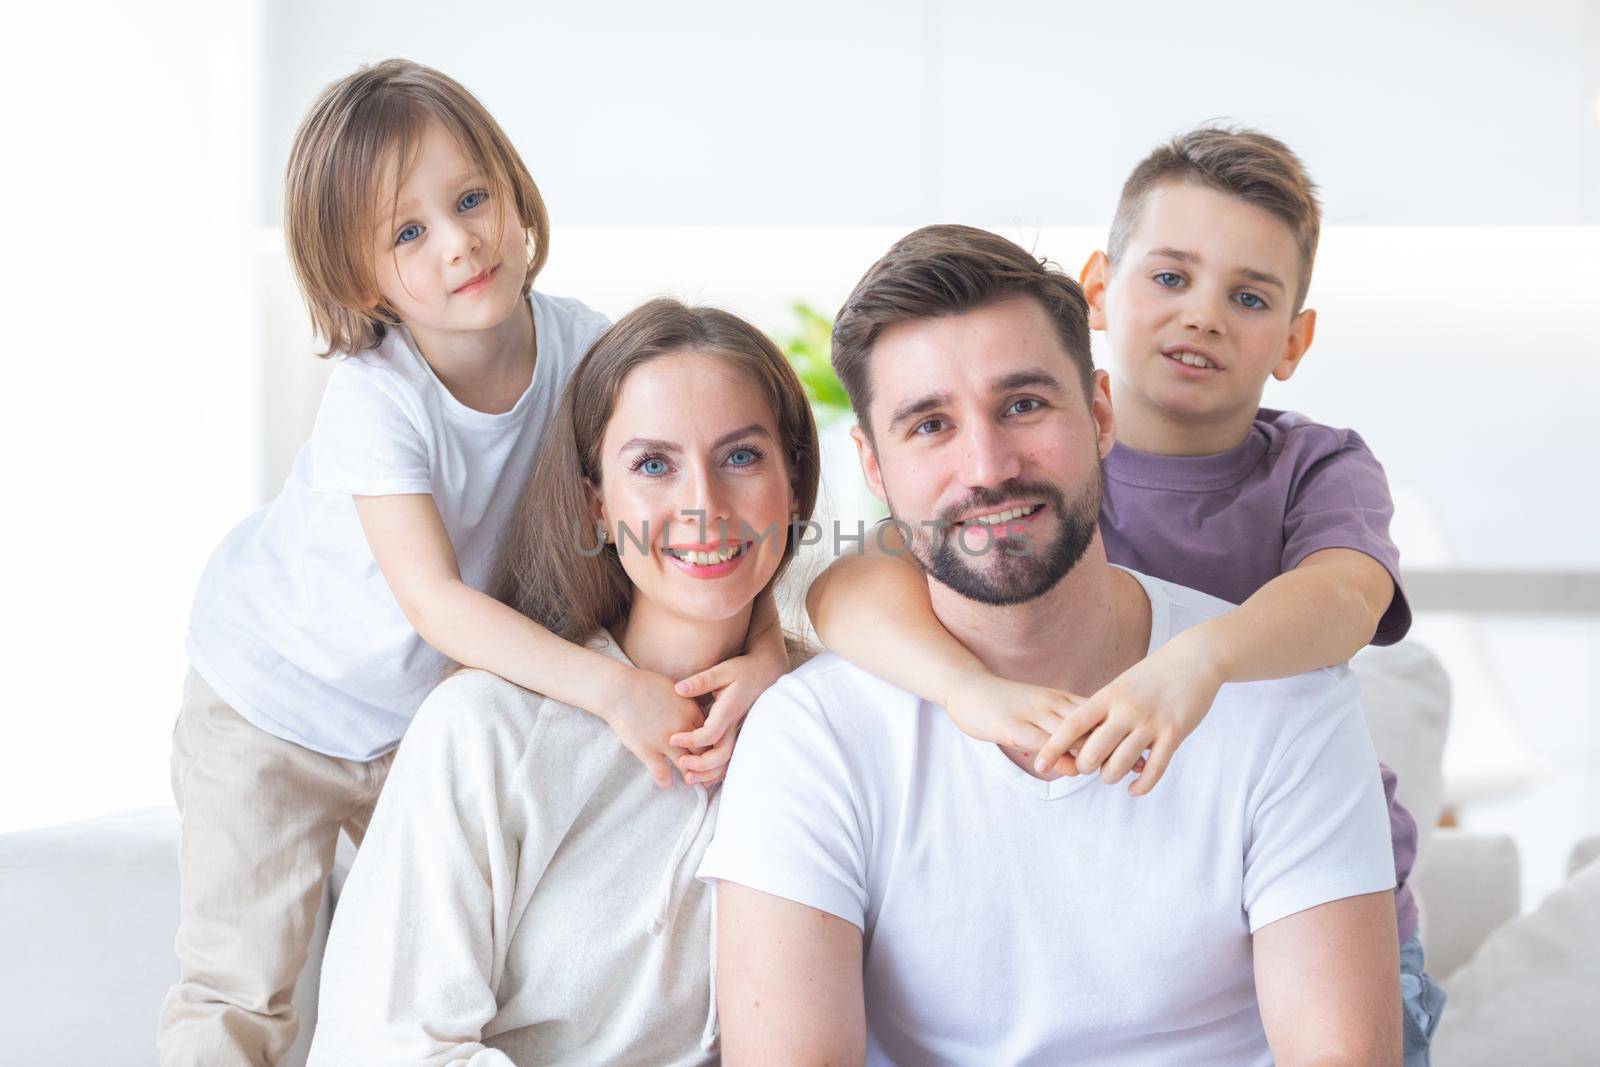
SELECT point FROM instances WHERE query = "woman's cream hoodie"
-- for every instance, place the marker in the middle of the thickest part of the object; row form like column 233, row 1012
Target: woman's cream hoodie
column 525, row 895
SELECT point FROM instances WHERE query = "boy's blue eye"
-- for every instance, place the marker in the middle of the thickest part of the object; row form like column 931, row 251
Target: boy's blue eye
column 1251, row 301
column 1169, row 279
column 409, row 234
column 472, row 200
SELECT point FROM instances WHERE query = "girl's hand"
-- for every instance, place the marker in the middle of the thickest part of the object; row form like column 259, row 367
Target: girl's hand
column 645, row 713
column 1153, row 705
column 1021, row 716
column 736, row 682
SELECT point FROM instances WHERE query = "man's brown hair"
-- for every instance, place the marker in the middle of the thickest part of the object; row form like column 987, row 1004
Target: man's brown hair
column 945, row 270
column 363, row 129
column 1241, row 162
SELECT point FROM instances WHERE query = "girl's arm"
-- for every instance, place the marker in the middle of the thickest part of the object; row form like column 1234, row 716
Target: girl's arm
column 873, row 609
column 1320, row 613
column 736, row 682
column 413, row 550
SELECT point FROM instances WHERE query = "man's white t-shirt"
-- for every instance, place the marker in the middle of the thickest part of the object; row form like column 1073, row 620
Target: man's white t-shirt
column 1010, row 920
column 293, row 624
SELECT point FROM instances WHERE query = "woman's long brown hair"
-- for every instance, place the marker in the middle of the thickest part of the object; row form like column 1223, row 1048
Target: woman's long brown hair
column 548, row 568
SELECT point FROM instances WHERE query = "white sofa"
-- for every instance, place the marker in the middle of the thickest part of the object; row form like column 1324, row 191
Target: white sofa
column 88, row 913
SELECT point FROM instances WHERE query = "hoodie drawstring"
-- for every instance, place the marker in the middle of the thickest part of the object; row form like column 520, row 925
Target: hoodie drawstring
column 665, row 898
column 666, row 901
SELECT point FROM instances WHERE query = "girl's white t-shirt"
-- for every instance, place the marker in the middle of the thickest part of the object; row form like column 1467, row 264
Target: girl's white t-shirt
column 293, row 624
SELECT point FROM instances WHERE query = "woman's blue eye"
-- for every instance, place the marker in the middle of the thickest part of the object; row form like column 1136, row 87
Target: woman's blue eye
column 1251, row 301
column 1169, row 279
column 472, row 200
column 409, row 234
column 742, row 457
column 654, row 466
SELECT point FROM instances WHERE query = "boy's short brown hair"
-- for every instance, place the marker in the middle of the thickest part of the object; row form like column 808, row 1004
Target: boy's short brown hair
column 362, row 125
column 1241, row 162
column 945, row 270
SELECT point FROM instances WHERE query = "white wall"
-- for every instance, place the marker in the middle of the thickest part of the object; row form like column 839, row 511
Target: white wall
column 898, row 112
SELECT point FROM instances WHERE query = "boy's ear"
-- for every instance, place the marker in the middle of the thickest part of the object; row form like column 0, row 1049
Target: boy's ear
column 1301, row 331
column 869, row 461
column 1094, row 278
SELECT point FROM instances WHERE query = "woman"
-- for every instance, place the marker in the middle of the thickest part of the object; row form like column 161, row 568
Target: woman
column 525, row 894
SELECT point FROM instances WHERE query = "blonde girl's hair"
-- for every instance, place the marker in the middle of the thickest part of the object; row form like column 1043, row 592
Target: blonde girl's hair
column 362, row 133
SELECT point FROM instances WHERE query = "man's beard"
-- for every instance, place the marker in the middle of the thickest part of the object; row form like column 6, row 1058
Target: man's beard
column 1017, row 569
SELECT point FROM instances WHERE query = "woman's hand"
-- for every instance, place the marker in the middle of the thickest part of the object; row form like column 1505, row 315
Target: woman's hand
column 1021, row 716
column 645, row 713
column 736, row 683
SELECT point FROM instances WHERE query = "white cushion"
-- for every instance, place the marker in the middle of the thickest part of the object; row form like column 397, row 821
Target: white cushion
column 1405, row 694
column 88, row 915
column 1531, row 993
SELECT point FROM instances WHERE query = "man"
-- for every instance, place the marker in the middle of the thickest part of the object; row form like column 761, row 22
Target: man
column 893, row 891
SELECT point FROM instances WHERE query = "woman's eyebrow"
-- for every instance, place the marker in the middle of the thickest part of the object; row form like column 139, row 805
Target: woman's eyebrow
column 657, row 444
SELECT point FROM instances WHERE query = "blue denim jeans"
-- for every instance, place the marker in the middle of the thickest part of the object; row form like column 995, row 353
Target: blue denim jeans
column 1424, row 1000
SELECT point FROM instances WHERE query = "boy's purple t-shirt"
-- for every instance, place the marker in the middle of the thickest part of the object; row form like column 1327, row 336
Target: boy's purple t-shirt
column 1228, row 524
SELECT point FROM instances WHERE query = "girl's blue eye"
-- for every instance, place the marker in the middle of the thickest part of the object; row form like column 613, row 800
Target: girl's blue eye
column 1169, row 279
column 409, row 234
column 654, row 466
column 1251, row 301
column 472, row 200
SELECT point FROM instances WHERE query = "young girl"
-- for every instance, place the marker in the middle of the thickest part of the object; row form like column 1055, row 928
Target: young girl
column 323, row 619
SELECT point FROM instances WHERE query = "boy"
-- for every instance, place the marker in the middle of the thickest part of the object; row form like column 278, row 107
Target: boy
column 1201, row 294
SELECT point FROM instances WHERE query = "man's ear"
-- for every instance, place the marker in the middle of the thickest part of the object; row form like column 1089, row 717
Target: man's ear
column 1301, row 331
column 1094, row 278
column 869, row 461
column 1100, row 409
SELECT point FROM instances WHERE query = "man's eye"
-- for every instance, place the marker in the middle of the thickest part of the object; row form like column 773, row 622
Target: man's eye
column 409, row 234
column 928, row 426
column 472, row 200
column 1169, row 279
column 1251, row 301
column 1026, row 404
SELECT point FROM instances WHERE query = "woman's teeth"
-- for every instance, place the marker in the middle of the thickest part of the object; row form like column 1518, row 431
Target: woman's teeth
column 706, row 559
column 1005, row 516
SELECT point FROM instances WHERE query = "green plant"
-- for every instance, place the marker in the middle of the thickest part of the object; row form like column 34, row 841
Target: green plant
column 810, row 349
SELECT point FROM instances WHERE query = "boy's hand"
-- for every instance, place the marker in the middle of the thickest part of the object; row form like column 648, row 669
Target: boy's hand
column 645, row 713
column 1021, row 716
column 736, row 682
column 1154, row 705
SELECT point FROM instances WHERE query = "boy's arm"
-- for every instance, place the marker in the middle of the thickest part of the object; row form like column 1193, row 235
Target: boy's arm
column 1320, row 613
column 873, row 609
column 413, row 550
